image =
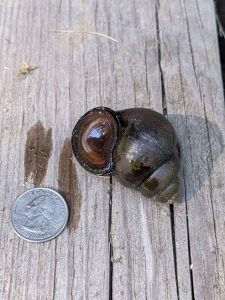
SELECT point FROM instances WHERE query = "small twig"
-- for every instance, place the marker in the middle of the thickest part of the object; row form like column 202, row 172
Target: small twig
column 85, row 32
column 25, row 70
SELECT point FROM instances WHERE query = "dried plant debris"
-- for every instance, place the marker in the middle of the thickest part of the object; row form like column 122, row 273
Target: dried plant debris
column 85, row 32
column 25, row 70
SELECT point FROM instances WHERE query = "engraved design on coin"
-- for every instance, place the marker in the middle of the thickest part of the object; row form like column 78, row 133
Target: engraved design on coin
column 39, row 215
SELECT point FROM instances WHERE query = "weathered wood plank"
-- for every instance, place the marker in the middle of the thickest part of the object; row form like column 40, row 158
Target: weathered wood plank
column 142, row 248
column 182, row 91
column 76, row 264
column 195, row 104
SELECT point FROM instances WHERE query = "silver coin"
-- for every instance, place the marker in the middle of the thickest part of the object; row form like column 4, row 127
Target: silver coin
column 39, row 215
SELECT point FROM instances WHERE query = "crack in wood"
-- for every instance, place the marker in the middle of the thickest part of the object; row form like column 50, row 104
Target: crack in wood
column 54, row 273
column 189, row 244
column 164, row 109
column 174, row 246
column 185, row 199
column 110, row 243
column 210, row 185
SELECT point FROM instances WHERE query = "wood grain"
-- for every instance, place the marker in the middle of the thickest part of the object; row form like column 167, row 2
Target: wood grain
column 119, row 245
column 197, row 110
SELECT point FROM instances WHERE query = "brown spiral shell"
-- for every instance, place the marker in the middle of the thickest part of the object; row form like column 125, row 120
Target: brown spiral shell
column 137, row 145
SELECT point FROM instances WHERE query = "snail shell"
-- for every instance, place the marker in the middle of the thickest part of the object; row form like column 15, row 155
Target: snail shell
column 137, row 145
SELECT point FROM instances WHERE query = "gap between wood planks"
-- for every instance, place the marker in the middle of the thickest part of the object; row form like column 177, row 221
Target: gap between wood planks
column 220, row 18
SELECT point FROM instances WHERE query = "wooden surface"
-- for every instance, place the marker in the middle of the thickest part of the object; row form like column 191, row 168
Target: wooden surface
column 118, row 245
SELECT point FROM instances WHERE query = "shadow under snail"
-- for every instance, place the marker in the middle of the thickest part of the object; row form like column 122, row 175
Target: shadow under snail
column 137, row 145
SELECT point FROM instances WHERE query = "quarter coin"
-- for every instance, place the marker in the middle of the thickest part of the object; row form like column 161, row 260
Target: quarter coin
column 39, row 215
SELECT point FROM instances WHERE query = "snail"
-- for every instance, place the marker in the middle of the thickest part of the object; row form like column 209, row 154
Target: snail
column 137, row 145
